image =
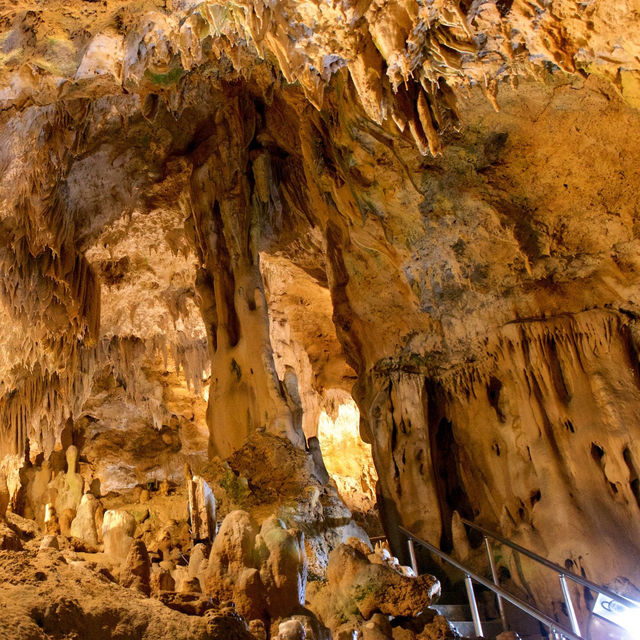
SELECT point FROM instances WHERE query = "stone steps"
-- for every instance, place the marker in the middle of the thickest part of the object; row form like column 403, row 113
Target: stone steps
column 459, row 616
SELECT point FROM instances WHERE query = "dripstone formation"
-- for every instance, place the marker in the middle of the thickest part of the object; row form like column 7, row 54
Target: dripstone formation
column 352, row 265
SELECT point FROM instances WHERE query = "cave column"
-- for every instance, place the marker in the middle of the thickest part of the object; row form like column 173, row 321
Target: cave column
column 245, row 392
column 394, row 407
column 394, row 419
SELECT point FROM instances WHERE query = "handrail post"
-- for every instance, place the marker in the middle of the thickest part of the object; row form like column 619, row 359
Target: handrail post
column 565, row 632
column 494, row 575
column 412, row 555
column 575, row 627
column 473, row 605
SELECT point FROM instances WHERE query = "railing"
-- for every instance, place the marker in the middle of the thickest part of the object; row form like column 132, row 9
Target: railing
column 555, row 628
column 563, row 574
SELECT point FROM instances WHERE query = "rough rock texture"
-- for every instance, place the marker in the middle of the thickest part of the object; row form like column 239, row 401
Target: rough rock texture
column 356, row 589
column 54, row 595
column 263, row 571
column 286, row 481
column 283, row 566
column 167, row 166
column 422, row 409
column 117, row 532
column 202, row 509
column 307, row 354
column 136, row 570
column 83, row 525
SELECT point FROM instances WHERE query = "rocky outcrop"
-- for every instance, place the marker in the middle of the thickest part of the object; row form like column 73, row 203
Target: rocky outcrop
column 357, row 588
column 263, row 571
column 52, row 593
column 290, row 482
column 136, row 571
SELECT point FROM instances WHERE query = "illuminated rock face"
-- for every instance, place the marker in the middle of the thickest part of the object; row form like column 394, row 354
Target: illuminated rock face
column 347, row 458
column 217, row 221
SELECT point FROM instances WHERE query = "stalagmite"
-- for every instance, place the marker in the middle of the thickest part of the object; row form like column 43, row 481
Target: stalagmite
column 117, row 532
column 202, row 509
column 4, row 497
column 83, row 526
column 51, row 525
column 70, row 485
column 136, row 569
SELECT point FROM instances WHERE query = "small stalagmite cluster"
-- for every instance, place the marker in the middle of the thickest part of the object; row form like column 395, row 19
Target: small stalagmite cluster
column 279, row 278
column 90, row 563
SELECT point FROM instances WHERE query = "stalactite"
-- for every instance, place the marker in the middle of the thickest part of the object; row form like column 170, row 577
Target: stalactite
column 193, row 358
column 50, row 291
column 40, row 402
column 125, row 356
column 587, row 332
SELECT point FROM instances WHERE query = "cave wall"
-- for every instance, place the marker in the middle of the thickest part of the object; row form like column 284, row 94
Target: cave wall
column 451, row 297
column 308, row 355
column 546, row 443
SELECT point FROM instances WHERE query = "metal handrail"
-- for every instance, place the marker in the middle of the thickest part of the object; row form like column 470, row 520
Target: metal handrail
column 470, row 576
column 623, row 600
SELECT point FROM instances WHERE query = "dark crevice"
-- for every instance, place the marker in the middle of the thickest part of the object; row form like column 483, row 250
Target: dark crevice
column 557, row 375
column 445, row 457
column 226, row 280
column 634, row 480
column 493, row 393
column 597, row 453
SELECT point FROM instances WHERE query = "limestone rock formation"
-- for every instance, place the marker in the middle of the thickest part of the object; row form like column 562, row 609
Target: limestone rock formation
column 231, row 573
column 83, row 525
column 136, row 572
column 68, row 487
column 58, row 596
column 283, row 566
column 202, row 508
column 4, row 497
column 357, row 589
column 291, row 630
column 263, row 571
column 220, row 220
column 288, row 480
column 117, row 532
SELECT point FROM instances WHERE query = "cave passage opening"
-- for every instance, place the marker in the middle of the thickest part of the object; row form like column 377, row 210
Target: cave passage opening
column 349, row 462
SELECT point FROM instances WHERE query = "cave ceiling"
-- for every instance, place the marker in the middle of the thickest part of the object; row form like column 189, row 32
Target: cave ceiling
column 434, row 171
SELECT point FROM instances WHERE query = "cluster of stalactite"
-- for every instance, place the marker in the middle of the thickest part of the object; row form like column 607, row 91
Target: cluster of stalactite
column 34, row 411
column 539, row 439
column 191, row 357
column 406, row 60
column 126, row 355
column 50, row 297
column 227, row 210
